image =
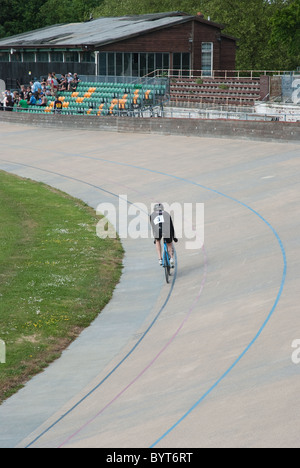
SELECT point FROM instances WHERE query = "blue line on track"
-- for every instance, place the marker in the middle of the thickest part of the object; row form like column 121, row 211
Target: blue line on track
column 276, row 300
column 197, row 403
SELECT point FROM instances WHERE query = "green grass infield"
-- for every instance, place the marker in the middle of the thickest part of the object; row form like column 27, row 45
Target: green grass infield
column 56, row 275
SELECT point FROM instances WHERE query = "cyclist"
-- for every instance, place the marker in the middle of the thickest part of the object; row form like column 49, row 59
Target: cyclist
column 162, row 227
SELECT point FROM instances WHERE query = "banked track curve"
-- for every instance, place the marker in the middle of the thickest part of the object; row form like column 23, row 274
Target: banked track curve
column 268, row 316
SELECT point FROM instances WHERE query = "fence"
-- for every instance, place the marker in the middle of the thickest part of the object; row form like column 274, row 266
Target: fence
column 224, row 74
column 157, row 80
column 234, row 114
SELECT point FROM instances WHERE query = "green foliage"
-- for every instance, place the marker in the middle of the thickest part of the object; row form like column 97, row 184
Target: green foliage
column 16, row 17
column 134, row 7
column 68, row 11
column 268, row 31
column 255, row 23
column 248, row 22
column 286, row 29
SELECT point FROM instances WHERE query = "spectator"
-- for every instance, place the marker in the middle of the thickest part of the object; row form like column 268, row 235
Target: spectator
column 5, row 94
column 39, row 100
column 36, row 88
column 58, row 105
column 32, row 100
column 26, row 93
column 22, row 92
column 70, row 79
column 74, row 83
column 44, row 89
column 16, row 97
column 53, row 83
column 55, row 80
column 63, row 83
column 8, row 102
column 43, row 101
column 23, row 103
column 49, row 79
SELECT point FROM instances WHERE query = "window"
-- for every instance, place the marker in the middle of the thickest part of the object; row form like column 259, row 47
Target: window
column 16, row 57
column 4, row 57
column 159, row 61
column 42, row 57
column 181, row 63
column 185, row 63
column 162, row 61
column 166, row 61
column 119, row 64
column 207, row 58
column 143, row 64
column 127, row 62
column 28, row 57
column 111, row 63
column 102, row 64
column 57, row 57
column 88, row 57
column 176, row 61
column 71, row 56
column 151, row 64
column 135, row 63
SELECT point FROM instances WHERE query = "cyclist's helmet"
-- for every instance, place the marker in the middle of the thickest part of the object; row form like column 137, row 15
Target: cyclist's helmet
column 158, row 207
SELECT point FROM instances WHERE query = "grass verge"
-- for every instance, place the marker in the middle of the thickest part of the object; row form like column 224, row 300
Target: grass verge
column 56, row 275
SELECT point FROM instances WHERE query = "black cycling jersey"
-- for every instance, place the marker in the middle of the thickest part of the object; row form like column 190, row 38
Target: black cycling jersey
column 162, row 226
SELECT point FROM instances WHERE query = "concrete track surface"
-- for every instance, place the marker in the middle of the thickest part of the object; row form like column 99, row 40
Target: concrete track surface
column 205, row 361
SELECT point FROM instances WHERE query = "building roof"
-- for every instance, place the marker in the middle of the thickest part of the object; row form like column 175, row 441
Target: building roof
column 100, row 31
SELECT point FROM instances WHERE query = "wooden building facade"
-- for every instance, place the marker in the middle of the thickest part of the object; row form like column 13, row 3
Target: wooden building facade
column 175, row 43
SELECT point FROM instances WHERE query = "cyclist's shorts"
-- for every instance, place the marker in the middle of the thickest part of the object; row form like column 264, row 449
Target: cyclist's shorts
column 168, row 241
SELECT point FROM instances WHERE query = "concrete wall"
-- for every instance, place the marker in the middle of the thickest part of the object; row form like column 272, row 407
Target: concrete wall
column 257, row 130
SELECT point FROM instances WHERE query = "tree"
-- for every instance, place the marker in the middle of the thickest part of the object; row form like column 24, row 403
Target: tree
column 268, row 31
column 139, row 7
column 16, row 17
column 68, row 11
column 247, row 20
column 286, row 29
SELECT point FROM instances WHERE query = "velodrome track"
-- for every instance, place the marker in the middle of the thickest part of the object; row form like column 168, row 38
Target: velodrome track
column 205, row 361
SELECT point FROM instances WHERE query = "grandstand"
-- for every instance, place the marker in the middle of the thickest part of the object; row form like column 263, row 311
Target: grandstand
column 105, row 98
column 216, row 91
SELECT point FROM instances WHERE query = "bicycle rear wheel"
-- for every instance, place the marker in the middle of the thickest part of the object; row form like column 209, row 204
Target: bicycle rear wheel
column 167, row 266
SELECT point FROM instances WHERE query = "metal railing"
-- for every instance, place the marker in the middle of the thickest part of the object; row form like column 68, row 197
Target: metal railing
column 227, row 114
column 138, row 112
column 222, row 74
column 175, row 113
column 155, row 79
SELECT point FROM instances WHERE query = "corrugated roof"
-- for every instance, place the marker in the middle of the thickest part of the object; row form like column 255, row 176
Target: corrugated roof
column 98, row 32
